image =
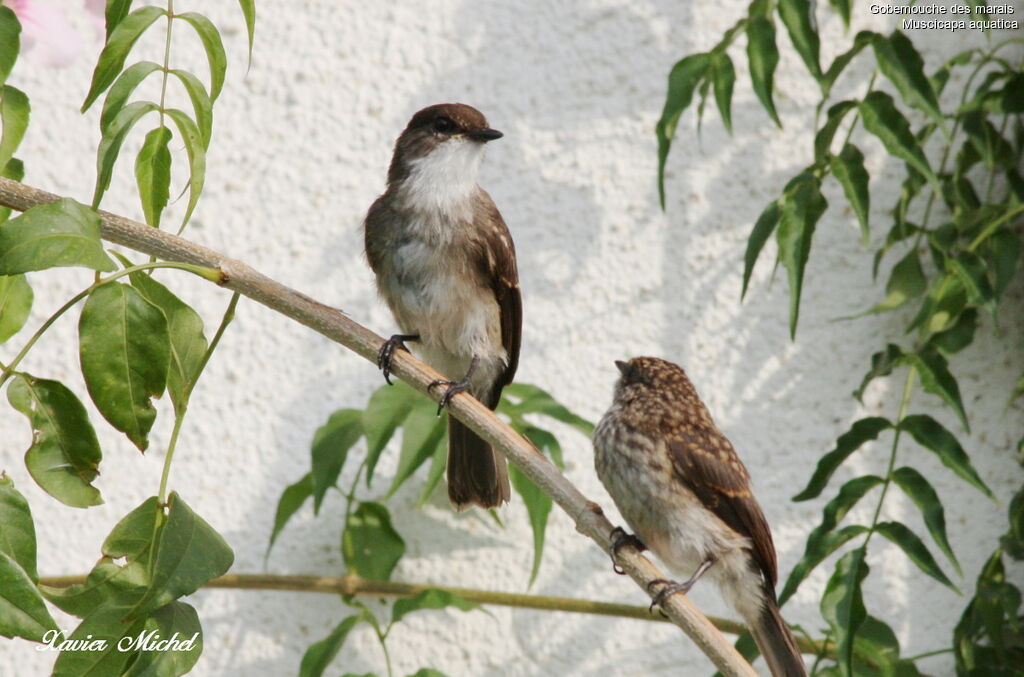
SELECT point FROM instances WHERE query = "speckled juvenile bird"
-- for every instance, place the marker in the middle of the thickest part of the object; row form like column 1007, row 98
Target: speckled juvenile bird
column 446, row 266
column 685, row 494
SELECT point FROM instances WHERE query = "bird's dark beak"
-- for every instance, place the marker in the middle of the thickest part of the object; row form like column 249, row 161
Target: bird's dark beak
column 621, row 365
column 486, row 134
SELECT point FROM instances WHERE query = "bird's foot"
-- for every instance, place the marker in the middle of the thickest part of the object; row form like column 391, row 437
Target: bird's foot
column 454, row 387
column 387, row 351
column 620, row 538
column 670, row 588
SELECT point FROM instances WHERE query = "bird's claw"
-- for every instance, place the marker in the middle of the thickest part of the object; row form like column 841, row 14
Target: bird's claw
column 454, row 388
column 620, row 538
column 387, row 351
column 671, row 588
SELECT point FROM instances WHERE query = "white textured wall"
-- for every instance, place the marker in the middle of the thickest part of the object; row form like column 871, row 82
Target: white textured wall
column 301, row 145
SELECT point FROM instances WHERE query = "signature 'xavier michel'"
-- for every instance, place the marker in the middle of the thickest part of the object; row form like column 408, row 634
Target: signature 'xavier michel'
column 446, row 266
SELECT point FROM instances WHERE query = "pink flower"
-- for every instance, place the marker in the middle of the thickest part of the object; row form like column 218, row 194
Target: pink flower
column 46, row 34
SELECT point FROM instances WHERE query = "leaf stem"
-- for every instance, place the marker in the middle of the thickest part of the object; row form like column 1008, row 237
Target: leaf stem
column 179, row 415
column 908, row 389
column 167, row 58
column 9, row 369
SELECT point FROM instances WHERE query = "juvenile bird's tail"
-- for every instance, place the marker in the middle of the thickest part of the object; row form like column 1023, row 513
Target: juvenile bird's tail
column 775, row 641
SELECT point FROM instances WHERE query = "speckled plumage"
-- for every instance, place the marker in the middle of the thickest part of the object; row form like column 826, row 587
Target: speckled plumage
column 684, row 492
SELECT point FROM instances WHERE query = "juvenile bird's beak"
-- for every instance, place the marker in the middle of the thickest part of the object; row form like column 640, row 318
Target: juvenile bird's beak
column 486, row 134
column 621, row 365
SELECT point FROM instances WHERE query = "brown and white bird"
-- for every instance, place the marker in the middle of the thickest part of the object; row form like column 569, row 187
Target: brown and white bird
column 684, row 492
column 446, row 266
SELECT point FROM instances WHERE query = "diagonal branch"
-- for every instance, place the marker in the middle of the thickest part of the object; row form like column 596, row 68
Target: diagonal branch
column 336, row 326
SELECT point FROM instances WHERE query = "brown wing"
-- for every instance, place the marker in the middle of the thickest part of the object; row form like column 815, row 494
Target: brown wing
column 707, row 463
column 499, row 262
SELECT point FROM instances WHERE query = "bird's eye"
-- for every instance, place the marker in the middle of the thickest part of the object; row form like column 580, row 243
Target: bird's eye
column 443, row 125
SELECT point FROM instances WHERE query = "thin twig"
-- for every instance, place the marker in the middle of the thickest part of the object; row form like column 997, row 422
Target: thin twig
column 333, row 324
column 355, row 585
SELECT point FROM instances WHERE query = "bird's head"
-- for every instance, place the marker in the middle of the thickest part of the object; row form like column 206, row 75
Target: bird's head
column 442, row 147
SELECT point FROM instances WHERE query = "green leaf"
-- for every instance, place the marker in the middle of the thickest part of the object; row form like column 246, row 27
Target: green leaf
column 320, row 654
column 64, row 455
column 10, row 41
column 936, row 379
column 534, row 400
column 538, row 507
column 17, row 532
column 201, row 104
column 682, row 81
column 175, row 618
column 14, row 170
column 918, row 489
column 973, row 274
column 185, row 331
column 428, row 672
column 132, row 536
column 110, row 144
column 189, row 553
column 62, row 233
column 544, row 441
column 15, row 304
column 249, row 11
column 820, row 544
column 388, row 407
column 861, row 432
column 196, row 152
column 763, row 56
column 899, row 61
column 763, row 229
column 107, row 584
column 210, row 38
column 839, row 64
column 125, row 352
column 931, row 435
column 990, row 145
column 842, row 605
column 429, row 599
column 122, row 89
column 915, row 549
column 906, row 282
column 823, row 139
column 22, row 610
column 801, row 208
column 331, row 443
column 959, row 336
column 153, row 174
column 292, row 498
column 438, row 462
column 115, row 13
column 882, row 364
column 842, row 7
column 14, row 112
column 725, row 77
column 848, row 168
column 798, row 17
column 945, row 300
column 106, row 623
column 1002, row 252
column 119, row 42
column 882, row 119
column 421, row 433
column 370, row 545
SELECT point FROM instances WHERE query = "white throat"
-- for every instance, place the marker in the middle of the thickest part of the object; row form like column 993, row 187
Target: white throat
column 445, row 179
